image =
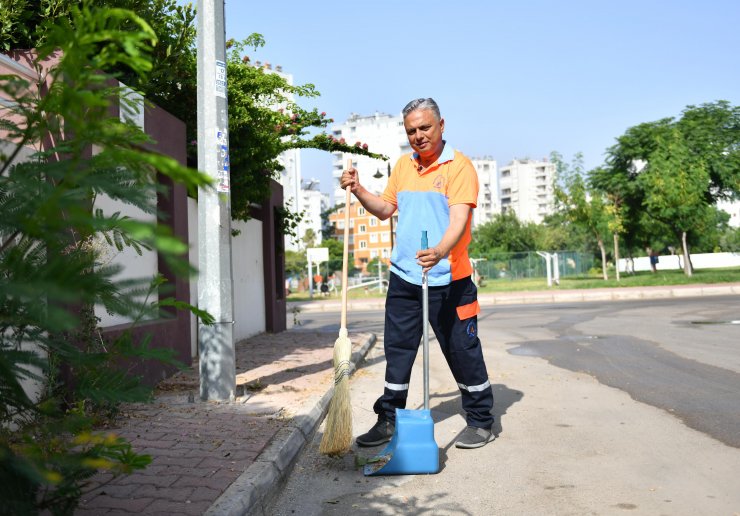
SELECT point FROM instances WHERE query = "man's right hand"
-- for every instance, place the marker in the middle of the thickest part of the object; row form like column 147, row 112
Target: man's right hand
column 371, row 202
column 350, row 178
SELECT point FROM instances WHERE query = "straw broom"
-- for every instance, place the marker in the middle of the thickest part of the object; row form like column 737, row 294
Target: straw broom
column 337, row 437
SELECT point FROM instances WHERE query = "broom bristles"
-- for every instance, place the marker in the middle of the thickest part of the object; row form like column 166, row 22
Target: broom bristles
column 337, row 437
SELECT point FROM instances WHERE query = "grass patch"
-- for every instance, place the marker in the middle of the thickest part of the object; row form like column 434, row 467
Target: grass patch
column 640, row 279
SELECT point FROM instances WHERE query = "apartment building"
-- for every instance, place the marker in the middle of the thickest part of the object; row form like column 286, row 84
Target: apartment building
column 488, row 190
column 296, row 196
column 314, row 203
column 526, row 189
column 369, row 237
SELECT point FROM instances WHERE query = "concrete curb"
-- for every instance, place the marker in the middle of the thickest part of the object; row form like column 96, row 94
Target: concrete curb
column 254, row 488
column 549, row 296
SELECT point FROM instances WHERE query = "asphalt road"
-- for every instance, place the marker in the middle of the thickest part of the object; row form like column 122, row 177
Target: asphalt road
column 602, row 408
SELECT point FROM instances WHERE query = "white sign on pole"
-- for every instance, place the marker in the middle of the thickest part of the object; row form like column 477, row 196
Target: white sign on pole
column 221, row 79
column 317, row 254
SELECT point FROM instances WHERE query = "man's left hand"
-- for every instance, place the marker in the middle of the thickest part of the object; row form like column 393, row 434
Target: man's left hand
column 428, row 258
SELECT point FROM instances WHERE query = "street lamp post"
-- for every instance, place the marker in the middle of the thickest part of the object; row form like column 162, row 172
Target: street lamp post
column 378, row 175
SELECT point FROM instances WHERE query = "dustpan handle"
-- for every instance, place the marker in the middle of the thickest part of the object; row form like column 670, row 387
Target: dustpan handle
column 425, row 324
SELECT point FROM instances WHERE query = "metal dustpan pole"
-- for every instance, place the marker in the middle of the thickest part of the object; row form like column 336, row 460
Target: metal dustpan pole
column 425, row 351
column 412, row 449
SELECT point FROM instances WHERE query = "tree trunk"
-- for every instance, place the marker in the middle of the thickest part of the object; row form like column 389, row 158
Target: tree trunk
column 687, row 269
column 603, row 259
column 616, row 254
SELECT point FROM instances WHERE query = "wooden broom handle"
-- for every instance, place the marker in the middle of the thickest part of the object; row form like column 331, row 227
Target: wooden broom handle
column 345, row 252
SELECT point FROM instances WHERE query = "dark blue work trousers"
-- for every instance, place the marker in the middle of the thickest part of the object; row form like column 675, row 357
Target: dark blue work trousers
column 458, row 338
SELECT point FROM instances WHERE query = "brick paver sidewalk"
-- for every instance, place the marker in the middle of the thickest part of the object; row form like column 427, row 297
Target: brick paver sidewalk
column 199, row 449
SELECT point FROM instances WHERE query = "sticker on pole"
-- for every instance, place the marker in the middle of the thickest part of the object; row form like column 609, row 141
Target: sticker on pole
column 222, row 161
column 221, row 79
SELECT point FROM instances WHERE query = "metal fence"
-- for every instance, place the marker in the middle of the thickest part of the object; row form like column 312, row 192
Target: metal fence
column 513, row 266
column 497, row 266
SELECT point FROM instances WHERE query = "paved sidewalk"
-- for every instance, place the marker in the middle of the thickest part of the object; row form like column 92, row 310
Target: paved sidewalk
column 227, row 458
column 224, row 458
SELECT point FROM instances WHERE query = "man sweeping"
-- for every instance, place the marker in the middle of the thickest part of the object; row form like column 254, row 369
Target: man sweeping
column 434, row 189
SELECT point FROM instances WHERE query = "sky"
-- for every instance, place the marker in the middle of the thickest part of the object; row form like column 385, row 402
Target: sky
column 514, row 79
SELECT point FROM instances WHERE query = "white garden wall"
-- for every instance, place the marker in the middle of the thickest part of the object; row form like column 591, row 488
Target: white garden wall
column 248, row 277
column 673, row 262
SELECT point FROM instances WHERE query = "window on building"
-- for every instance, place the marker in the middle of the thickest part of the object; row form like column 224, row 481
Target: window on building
column 373, row 238
column 360, row 210
column 505, row 173
column 340, row 224
column 363, row 228
column 373, row 222
column 386, row 253
column 363, row 245
column 373, row 254
column 385, row 237
column 506, row 191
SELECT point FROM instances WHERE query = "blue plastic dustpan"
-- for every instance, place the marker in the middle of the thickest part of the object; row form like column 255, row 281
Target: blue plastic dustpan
column 412, row 449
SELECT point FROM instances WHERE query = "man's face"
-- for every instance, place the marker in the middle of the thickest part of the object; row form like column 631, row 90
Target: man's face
column 424, row 132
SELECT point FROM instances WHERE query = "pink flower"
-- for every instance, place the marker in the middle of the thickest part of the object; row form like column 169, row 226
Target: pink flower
column 342, row 141
column 358, row 144
column 364, row 146
column 323, row 113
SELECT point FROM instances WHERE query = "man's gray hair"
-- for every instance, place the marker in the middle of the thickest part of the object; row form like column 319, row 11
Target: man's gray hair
column 422, row 104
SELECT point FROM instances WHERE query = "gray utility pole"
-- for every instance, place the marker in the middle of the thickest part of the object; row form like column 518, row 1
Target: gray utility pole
column 215, row 284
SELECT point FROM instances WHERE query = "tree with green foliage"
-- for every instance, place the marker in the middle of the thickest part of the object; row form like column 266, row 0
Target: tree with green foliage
column 711, row 133
column 171, row 83
column 265, row 121
column 729, row 241
column 296, row 263
column 675, row 184
column 309, row 238
column 336, row 251
column 504, row 233
column 616, row 209
column 264, row 117
column 51, row 263
column 699, row 151
column 582, row 204
column 624, row 209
